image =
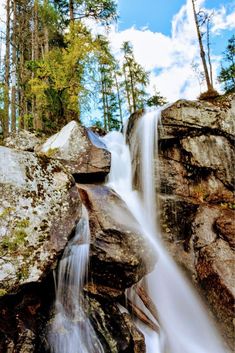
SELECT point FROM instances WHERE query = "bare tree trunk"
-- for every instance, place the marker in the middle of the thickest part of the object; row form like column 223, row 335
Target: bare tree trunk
column 104, row 102
column 46, row 38
column 202, row 52
column 14, row 65
column 37, row 121
column 209, row 49
column 7, row 73
column 132, row 91
column 127, row 91
column 71, row 10
column 119, row 99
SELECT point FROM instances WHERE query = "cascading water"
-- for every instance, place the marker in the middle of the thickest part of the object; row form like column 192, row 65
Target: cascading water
column 71, row 330
column 183, row 318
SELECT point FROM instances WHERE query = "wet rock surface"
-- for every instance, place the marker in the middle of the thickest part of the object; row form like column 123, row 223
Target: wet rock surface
column 82, row 153
column 118, row 252
column 195, row 192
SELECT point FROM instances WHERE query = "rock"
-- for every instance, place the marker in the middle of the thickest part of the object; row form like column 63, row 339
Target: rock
column 208, row 152
column 194, row 188
column 202, row 226
column 116, row 330
column 225, row 227
column 118, row 252
column 39, row 207
column 23, row 140
column 215, row 268
column 194, row 117
column 81, row 157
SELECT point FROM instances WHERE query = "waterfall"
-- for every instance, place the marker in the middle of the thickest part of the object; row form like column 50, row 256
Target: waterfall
column 71, row 330
column 186, row 326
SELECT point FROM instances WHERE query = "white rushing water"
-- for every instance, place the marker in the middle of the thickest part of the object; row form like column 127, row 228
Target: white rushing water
column 71, row 330
column 186, row 326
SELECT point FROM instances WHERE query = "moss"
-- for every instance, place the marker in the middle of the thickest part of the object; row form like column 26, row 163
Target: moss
column 51, row 152
column 23, row 272
column 23, row 223
column 12, row 244
column 5, row 212
column 2, row 292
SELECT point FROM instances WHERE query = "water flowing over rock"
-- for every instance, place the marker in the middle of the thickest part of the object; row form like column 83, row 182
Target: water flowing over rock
column 195, row 192
column 39, row 207
column 118, row 252
column 78, row 152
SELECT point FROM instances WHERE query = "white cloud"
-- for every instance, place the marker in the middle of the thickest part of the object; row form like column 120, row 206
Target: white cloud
column 172, row 56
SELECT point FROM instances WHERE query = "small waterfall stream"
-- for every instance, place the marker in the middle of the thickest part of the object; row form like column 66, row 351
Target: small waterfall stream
column 184, row 321
column 71, row 330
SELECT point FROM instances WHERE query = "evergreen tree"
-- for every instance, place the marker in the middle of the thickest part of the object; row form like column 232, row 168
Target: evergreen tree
column 135, row 80
column 109, row 86
column 227, row 73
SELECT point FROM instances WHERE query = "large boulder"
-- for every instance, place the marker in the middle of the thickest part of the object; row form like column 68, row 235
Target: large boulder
column 193, row 117
column 39, row 206
column 23, row 140
column 80, row 151
column 119, row 256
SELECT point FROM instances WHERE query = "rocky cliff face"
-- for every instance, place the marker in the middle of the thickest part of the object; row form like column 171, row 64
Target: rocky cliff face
column 40, row 206
column 195, row 194
column 196, row 198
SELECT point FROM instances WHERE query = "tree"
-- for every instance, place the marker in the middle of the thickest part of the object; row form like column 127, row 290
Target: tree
column 208, row 76
column 110, row 90
column 7, row 73
column 156, row 100
column 136, row 79
column 227, row 73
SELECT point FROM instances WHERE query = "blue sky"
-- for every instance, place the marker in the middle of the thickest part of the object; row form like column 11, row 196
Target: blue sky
column 157, row 15
column 165, row 43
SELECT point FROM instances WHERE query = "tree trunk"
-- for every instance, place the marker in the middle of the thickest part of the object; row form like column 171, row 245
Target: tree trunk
column 119, row 99
column 14, row 66
column 71, row 10
column 103, row 100
column 37, row 121
column 7, row 73
column 127, row 91
column 209, row 50
column 202, row 52
column 132, row 89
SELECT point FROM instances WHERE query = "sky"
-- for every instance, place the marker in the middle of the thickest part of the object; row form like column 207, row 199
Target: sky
column 164, row 40
column 165, row 44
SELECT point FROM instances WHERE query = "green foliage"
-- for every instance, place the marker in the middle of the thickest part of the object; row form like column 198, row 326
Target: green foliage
column 227, row 73
column 2, row 292
column 101, row 10
column 58, row 79
column 156, row 100
column 108, row 86
column 136, row 79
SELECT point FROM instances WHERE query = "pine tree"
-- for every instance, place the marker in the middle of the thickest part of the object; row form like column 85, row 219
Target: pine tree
column 108, row 80
column 227, row 73
column 7, row 73
column 136, row 80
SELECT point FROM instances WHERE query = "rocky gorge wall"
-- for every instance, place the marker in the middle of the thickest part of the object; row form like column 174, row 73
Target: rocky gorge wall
column 40, row 207
column 43, row 185
column 195, row 194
